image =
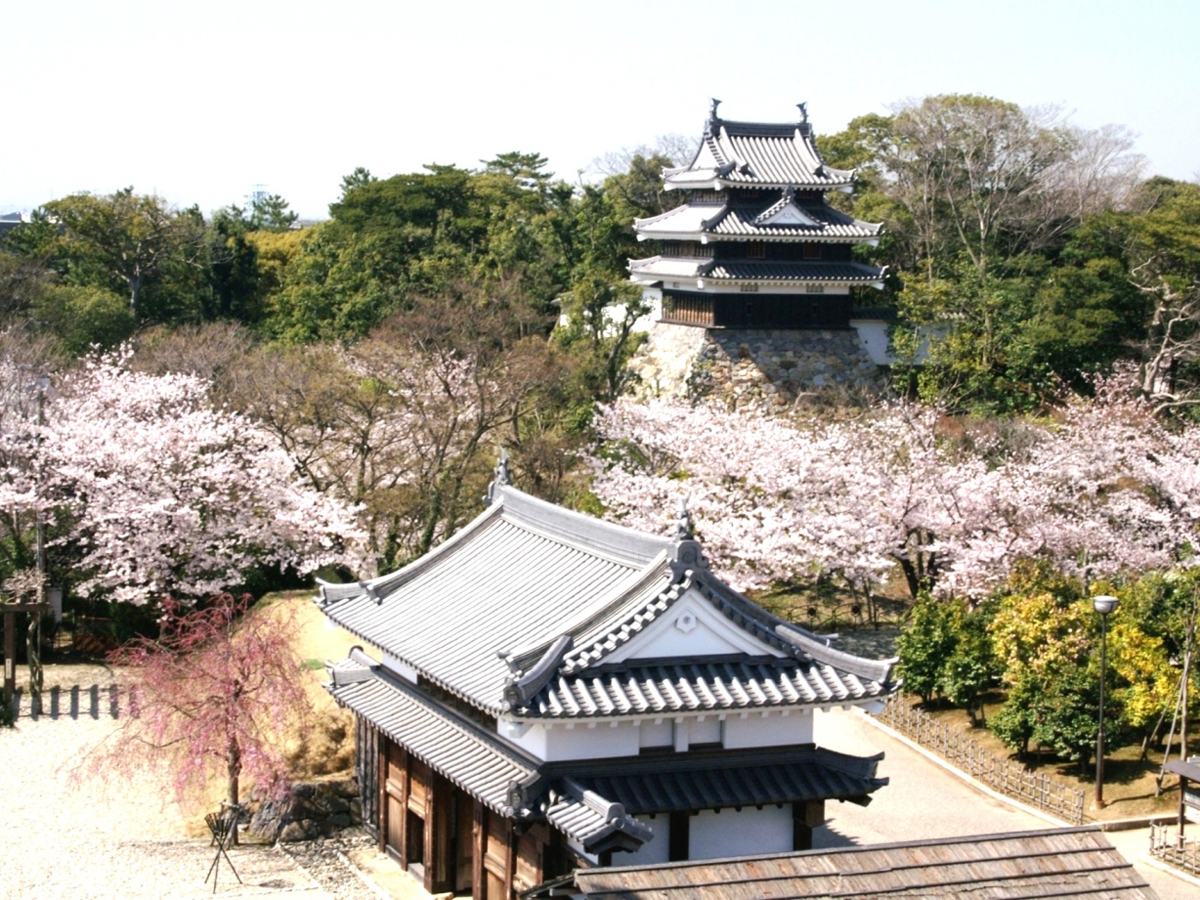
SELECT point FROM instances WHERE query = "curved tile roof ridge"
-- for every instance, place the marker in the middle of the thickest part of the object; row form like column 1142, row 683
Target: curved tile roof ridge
column 617, row 542
column 630, row 593
column 620, row 629
column 804, row 643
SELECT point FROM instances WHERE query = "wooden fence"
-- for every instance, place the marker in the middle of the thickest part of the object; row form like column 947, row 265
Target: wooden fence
column 1002, row 775
column 1170, row 846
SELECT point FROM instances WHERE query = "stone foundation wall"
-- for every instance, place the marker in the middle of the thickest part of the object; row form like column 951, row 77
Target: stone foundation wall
column 757, row 367
column 314, row 809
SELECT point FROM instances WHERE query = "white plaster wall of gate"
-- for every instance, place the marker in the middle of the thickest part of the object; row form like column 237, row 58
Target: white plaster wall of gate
column 689, row 629
column 748, row 832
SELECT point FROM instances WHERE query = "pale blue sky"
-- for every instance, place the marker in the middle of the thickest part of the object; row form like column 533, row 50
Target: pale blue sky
column 200, row 101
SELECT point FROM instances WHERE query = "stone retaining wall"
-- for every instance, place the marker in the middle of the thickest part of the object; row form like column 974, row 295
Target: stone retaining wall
column 757, row 367
column 314, row 809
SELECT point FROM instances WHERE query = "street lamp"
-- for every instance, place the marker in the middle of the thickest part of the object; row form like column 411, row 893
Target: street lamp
column 1104, row 605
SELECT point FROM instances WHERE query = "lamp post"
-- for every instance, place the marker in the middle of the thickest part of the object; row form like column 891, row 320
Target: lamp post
column 1104, row 605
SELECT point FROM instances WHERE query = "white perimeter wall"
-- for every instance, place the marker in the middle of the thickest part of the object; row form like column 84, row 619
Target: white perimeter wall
column 746, row 833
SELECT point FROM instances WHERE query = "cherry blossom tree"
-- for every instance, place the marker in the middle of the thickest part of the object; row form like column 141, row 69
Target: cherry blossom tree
column 951, row 505
column 162, row 494
column 779, row 502
column 215, row 689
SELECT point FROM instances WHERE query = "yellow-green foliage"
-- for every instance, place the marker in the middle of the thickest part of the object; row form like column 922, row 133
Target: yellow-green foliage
column 1140, row 661
column 1040, row 633
column 276, row 250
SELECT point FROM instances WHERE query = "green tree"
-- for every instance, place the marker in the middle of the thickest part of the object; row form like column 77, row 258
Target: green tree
column 270, row 212
column 1045, row 636
column 970, row 669
column 1164, row 265
column 233, row 269
column 924, row 646
column 132, row 244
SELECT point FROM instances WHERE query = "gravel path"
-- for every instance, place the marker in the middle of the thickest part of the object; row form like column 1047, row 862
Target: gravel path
column 81, row 839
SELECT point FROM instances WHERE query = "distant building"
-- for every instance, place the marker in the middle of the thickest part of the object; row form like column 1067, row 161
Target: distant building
column 752, row 287
column 756, row 245
column 546, row 691
column 9, row 221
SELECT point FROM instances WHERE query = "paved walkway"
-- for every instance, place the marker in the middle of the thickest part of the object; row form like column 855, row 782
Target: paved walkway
column 923, row 800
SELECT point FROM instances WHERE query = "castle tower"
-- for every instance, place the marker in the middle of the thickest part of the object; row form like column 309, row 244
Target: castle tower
column 755, row 246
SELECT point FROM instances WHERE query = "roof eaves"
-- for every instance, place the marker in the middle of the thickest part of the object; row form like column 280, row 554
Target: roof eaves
column 822, row 651
column 380, row 588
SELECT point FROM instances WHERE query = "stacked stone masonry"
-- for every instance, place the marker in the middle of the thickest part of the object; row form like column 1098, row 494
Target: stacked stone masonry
column 764, row 368
column 314, row 809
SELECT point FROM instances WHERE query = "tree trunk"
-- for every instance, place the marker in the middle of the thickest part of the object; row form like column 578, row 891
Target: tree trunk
column 233, row 768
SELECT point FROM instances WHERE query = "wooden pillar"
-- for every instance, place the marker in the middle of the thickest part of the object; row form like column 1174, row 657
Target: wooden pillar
column 381, row 774
column 439, row 819
column 478, row 843
column 10, row 656
column 806, row 816
column 510, row 867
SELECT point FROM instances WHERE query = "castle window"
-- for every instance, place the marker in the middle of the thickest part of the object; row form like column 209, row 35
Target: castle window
column 756, row 250
column 812, row 251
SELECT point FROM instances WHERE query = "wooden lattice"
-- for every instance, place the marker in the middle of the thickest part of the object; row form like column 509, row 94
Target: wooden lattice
column 1170, row 846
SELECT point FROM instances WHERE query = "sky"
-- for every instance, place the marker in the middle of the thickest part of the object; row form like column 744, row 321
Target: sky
column 201, row 102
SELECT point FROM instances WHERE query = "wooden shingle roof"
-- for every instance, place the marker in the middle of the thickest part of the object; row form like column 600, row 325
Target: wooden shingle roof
column 1069, row 862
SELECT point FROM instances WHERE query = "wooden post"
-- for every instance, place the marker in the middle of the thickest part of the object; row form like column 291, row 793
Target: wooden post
column 439, row 864
column 510, row 867
column 479, row 843
column 806, row 816
column 381, row 800
column 10, row 656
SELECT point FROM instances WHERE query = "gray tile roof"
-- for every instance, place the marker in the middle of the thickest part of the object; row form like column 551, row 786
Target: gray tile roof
column 1073, row 862
column 759, row 154
column 592, row 801
column 739, row 221
column 520, row 574
column 850, row 273
column 522, row 609
column 721, row 779
column 666, row 268
column 699, row 686
column 478, row 761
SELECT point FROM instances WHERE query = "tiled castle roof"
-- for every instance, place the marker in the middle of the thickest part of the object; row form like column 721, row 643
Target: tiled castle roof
column 757, row 154
column 521, row 610
column 660, row 268
column 593, row 801
column 747, row 220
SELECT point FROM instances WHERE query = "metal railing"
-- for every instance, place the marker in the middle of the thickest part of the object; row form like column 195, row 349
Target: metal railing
column 1170, row 846
column 1002, row 775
